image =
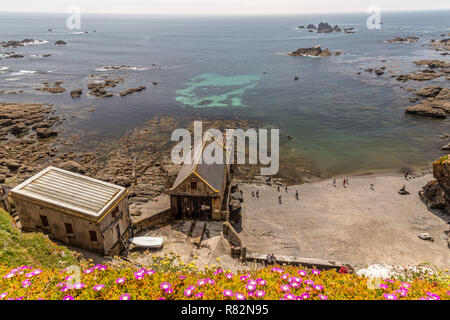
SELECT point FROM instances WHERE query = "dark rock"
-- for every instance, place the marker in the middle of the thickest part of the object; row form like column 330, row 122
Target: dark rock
column 60, row 43
column 44, row 133
column 76, row 93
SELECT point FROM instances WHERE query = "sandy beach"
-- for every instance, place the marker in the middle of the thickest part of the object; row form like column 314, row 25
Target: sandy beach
column 356, row 224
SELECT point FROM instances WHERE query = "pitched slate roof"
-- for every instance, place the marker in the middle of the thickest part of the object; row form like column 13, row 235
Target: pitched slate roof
column 211, row 174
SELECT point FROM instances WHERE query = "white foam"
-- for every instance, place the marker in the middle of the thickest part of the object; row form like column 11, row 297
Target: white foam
column 3, row 68
column 22, row 72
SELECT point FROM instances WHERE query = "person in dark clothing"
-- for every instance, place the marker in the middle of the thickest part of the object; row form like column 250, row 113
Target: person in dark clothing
column 296, row 194
column 279, row 199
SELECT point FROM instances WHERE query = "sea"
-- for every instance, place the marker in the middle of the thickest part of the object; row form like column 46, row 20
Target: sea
column 235, row 67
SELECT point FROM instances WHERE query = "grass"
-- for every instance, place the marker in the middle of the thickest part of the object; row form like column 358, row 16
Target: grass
column 36, row 249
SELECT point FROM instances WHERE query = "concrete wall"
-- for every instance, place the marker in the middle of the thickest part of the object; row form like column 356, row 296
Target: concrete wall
column 30, row 212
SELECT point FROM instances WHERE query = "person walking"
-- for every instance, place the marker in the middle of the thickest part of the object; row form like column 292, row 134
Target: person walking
column 279, row 199
column 296, row 194
column 257, row 194
column 278, row 188
column 285, row 188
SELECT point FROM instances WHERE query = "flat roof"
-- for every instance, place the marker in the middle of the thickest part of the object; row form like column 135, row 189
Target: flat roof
column 70, row 190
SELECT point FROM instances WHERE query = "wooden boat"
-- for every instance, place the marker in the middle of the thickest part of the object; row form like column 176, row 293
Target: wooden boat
column 147, row 242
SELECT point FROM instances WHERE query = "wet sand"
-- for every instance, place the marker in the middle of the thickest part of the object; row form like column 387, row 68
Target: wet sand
column 355, row 224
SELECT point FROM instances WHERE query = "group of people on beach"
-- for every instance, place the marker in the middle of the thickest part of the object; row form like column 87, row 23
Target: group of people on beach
column 345, row 182
column 256, row 193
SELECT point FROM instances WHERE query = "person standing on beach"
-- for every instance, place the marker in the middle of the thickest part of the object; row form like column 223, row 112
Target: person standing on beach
column 334, row 182
column 278, row 188
column 296, row 194
column 253, row 193
column 346, row 180
column 279, row 199
column 257, row 194
column 343, row 183
column 285, row 188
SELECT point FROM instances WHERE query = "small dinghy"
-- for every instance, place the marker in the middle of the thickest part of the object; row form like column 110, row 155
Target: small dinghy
column 147, row 242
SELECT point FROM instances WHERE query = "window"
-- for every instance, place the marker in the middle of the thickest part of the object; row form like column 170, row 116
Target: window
column 93, row 236
column 193, row 185
column 69, row 229
column 44, row 221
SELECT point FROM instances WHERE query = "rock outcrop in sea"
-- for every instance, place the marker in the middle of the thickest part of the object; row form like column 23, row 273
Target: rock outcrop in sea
column 436, row 193
column 435, row 105
column 315, row 51
column 408, row 39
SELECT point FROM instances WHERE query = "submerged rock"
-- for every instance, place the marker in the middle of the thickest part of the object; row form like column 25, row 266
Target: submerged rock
column 60, row 43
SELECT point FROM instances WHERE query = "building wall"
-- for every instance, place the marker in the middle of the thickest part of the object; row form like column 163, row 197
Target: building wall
column 30, row 220
column 203, row 190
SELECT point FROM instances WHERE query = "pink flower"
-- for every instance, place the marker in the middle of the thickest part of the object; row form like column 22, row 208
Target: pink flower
column 433, row 296
column 309, row 282
column 284, row 276
column 165, row 286
column 390, row 296
column 9, row 275
column 260, row 293
column 406, row 285
column 161, row 298
column 120, row 280
column 218, row 271
column 78, row 286
column 295, row 285
column 239, row 296
column 199, row 295
column 88, row 271
column 125, row 296
column 289, row 296
column 285, row 287
column 3, row 295
column 318, row 287
column 227, row 293
column 229, row 276
column 322, row 297
column 26, row 283
column 402, row 293
column 302, row 272
column 188, row 292
column 250, row 287
column 304, row 295
column 261, row 282
column 182, row 277
column 384, row 286
column 68, row 298
column 315, row 271
column 150, row 272
column 98, row 287
column 201, row 282
column 244, row 277
column 169, row 291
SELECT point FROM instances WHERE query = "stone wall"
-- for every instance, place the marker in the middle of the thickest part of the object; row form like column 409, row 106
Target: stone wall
column 154, row 220
column 238, row 249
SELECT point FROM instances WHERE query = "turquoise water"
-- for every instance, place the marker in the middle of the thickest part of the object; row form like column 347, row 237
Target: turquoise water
column 235, row 68
column 213, row 90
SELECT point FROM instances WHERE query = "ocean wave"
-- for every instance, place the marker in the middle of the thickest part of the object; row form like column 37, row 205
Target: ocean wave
column 79, row 32
column 3, row 69
column 12, row 79
column 22, row 72
column 124, row 67
column 36, row 42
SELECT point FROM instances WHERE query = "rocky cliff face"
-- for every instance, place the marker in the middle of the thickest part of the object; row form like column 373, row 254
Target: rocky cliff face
column 436, row 193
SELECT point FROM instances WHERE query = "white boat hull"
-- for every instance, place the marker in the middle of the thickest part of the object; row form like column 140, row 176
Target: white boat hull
column 147, row 242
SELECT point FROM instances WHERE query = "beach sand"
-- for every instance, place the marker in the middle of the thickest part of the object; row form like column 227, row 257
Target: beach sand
column 355, row 224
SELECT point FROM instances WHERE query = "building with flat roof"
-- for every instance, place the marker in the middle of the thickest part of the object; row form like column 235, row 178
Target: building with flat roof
column 75, row 209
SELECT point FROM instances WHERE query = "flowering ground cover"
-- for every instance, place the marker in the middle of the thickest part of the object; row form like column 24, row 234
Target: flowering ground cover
column 164, row 280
